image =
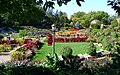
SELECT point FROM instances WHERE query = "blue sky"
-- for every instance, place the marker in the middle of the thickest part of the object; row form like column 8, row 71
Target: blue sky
column 87, row 6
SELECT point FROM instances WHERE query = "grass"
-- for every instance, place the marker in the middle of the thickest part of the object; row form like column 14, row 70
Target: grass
column 77, row 47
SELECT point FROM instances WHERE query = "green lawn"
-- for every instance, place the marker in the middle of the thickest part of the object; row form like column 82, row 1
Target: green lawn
column 77, row 47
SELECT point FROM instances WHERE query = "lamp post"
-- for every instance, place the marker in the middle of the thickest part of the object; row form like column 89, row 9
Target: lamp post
column 53, row 44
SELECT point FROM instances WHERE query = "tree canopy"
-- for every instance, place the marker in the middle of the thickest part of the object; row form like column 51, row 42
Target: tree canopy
column 86, row 18
column 115, row 4
column 25, row 11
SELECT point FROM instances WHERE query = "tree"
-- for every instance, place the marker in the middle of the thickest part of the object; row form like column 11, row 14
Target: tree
column 114, row 23
column 86, row 18
column 78, row 14
column 115, row 4
column 20, row 10
column 99, row 15
column 58, row 18
column 28, row 10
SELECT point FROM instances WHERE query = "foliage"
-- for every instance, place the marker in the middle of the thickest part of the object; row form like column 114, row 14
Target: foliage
column 106, row 32
column 114, row 34
column 114, row 23
column 91, row 39
column 92, row 49
column 114, row 5
column 54, row 66
column 99, row 15
column 115, row 47
column 22, row 33
column 95, row 26
column 86, row 18
column 24, row 68
column 3, row 48
column 106, row 44
column 96, row 32
column 15, row 12
column 21, row 41
column 52, row 63
column 100, row 39
column 78, row 14
column 17, row 55
column 67, row 51
column 74, row 20
column 97, row 67
column 58, row 18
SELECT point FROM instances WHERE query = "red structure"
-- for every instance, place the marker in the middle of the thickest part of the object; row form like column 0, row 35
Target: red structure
column 50, row 40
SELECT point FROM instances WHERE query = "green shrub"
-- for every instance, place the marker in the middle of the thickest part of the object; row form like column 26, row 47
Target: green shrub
column 96, row 32
column 17, row 55
column 2, row 48
column 97, row 67
column 91, row 39
column 114, row 34
column 118, row 34
column 22, row 33
column 24, row 68
column 114, row 23
column 116, row 47
column 100, row 39
column 67, row 51
column 106, row 44
column 106, row 32
column 95, row 26
column 21, row 41
column 92, row 49
column 9, row 48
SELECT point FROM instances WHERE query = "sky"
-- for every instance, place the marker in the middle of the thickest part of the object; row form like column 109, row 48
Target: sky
column 87, row 6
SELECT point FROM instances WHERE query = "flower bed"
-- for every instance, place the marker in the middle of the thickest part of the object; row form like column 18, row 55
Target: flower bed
column 79, row 39
column 27, row 50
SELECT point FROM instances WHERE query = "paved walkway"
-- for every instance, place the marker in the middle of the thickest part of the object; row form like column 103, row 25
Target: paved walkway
column 4, row 58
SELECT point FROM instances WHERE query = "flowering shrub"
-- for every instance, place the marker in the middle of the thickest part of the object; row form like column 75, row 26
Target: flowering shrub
column 27, row 41
column 26, row 50
column 13, row 42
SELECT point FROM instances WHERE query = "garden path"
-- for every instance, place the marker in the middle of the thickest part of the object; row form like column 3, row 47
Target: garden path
column 4, row 58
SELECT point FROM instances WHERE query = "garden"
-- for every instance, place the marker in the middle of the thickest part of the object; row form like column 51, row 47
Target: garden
column 36, row 40
column 94, row 56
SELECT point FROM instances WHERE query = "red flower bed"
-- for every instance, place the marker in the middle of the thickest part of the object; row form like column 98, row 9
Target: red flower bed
column 13, row 41
column 27, row 41
column 0, row 41
column 59, row 40
column 6, row 42
column 29, row 44
column 9, row 42
column 79, row 39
